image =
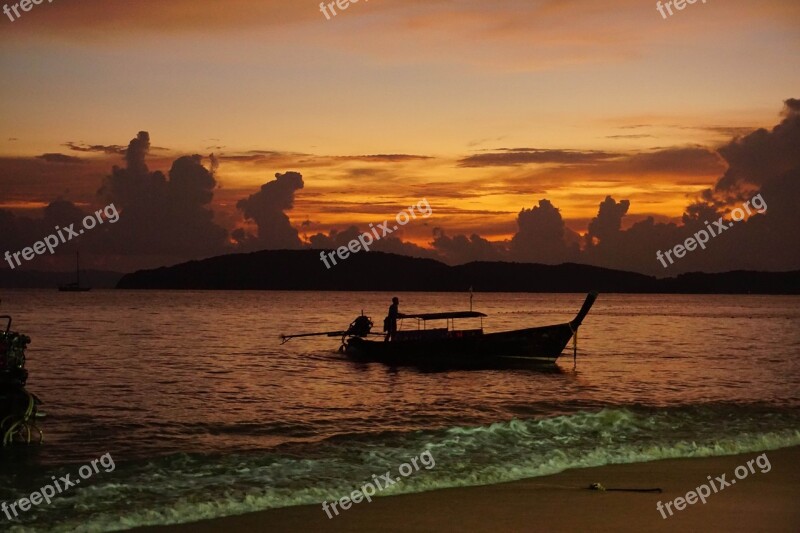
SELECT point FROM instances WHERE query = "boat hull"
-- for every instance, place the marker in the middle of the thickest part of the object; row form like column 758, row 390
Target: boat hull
column 509, row 349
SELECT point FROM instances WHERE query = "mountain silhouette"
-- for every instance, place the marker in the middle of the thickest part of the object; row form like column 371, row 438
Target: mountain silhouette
column 377, row 271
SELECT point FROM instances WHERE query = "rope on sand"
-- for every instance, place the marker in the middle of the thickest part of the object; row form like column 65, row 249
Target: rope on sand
column 601, row 488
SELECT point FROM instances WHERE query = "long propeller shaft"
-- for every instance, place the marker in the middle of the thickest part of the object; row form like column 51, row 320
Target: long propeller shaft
column 286, row 338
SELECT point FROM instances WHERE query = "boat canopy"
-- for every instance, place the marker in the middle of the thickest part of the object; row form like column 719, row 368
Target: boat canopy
column 443, row 316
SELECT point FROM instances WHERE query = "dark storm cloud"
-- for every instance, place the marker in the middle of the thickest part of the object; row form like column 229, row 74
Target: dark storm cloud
column 19, row 232
column 463, row 249
column 214, row 161
column 109, row 149
column 263, row 157
column 674, row 161
column 383, row 158
column 765, row 162
column 690, row 160
column 390, row 244
column 137, row 152
column 633, row 249
column 60, row 158
column 763, row 156
column 542, row 236
column 526, row 156
column 334, row 238
column 680, row 165
column 266, row 208
column 281, row 158
column 446, row 190
column 163, row 215
column 728, row 131
column 113, row 149
column 609, row 219
column 34, row 180
column 395, row 245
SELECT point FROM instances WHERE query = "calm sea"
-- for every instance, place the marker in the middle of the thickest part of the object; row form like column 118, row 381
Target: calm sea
column 206, row 414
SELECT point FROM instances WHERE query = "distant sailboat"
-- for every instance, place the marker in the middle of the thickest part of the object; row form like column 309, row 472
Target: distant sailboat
column 76, row 286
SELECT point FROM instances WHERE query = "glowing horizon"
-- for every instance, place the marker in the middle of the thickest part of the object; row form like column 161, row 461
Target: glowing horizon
column 484, row 109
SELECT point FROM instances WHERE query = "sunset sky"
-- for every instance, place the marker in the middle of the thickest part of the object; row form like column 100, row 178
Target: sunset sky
column 483, row 108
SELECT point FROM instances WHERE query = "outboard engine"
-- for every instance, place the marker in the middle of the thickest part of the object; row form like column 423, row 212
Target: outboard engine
column 360, row 327
column 12, row 357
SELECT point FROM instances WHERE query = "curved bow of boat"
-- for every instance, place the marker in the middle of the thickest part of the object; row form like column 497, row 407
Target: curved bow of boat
column 587, row 305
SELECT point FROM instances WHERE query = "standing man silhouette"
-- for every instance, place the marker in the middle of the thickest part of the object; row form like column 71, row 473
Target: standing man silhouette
column 390, row 323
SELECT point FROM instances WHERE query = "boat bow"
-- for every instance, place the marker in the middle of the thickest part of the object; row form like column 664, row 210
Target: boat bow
column 587, row 305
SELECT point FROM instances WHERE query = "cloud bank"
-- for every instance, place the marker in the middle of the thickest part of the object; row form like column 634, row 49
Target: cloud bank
column 172, row 217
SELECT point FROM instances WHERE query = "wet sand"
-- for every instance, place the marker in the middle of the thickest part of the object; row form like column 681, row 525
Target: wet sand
column 760, row 502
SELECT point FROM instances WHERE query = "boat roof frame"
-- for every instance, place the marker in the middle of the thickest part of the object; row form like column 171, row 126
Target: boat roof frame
column 445, row 316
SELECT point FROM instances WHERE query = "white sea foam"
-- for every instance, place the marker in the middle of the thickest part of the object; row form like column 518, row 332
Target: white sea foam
column 187, row 488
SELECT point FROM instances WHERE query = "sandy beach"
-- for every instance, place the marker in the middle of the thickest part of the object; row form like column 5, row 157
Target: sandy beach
column 561, row 502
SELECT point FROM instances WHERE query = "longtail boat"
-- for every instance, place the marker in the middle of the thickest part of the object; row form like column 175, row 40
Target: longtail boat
column 448, row 347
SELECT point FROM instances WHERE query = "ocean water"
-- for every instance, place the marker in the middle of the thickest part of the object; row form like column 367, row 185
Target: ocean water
column 206, row 414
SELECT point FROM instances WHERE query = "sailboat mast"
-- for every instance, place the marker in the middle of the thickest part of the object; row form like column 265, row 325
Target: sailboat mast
column 78, row 267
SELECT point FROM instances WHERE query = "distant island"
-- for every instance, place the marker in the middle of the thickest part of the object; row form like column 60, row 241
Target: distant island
column 377, row 271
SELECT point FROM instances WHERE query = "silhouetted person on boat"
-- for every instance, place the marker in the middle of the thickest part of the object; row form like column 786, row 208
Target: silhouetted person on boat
column 390, row 323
